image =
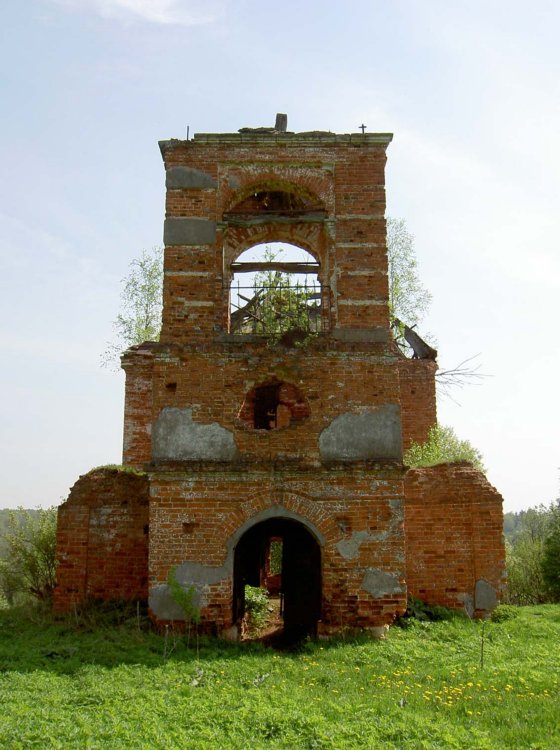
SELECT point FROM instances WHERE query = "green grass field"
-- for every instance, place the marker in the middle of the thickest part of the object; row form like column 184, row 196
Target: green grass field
column 423, row 687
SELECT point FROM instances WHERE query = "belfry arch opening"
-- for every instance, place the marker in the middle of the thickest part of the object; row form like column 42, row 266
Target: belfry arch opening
column 282, row 556
column 275, row 291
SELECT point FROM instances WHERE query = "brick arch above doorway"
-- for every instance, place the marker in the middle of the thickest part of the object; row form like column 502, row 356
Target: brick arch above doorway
column 272, row 512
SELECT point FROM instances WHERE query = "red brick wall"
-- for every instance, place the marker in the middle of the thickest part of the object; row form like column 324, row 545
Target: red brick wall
column 453, row 522
column 417, row 398
column 102, row 539
column 343, row 174
column 216, row 383
column 223, row 379
column 138, row 406
column 193, row 517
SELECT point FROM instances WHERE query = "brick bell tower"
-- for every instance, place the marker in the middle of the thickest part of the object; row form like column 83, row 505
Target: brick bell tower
column 245, row 434
column 327, row 478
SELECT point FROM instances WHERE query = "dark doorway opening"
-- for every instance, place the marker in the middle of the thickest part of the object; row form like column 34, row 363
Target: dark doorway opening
column 298, row 584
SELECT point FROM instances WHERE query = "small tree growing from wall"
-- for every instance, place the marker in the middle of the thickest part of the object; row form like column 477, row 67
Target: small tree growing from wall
column 139, row 319
column 279, row 306
column 409, row 300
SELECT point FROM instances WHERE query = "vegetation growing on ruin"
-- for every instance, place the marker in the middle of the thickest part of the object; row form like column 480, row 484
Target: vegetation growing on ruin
column 81, row 683
column 256, row 608
column 118, row 467
column 443, row 446
column 139, row 318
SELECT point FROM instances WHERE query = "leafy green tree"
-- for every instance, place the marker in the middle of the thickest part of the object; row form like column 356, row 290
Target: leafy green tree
column 409, row 300
column 551, row 553
column 533, row 555
column 28, row 565
column 524, row 571
column 443, row 446
column 141, row 305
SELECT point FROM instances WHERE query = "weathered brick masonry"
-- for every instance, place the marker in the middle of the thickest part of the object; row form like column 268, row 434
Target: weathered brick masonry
column 454, row 547
column 326, row 474
column 102, row 539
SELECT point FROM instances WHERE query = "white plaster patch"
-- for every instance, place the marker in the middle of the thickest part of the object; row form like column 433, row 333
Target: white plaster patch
column 379, row 583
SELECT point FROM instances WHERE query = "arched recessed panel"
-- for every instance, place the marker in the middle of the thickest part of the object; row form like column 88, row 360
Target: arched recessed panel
column 274, row 199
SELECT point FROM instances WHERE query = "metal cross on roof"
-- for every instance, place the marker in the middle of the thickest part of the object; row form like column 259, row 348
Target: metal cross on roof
column 363, row 128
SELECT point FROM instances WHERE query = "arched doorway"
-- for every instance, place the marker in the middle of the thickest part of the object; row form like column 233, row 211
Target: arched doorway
column 300, row 575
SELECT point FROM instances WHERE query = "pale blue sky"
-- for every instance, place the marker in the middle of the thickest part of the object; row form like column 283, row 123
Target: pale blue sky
column 471, row 91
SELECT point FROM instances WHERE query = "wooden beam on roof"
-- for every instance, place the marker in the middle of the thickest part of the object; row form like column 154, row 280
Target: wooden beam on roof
column 286, row 267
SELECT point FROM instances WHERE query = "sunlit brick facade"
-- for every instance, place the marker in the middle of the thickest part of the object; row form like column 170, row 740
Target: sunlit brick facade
column 326, row 475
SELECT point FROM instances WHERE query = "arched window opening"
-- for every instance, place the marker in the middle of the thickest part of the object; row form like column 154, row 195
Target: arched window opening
column 275, row 290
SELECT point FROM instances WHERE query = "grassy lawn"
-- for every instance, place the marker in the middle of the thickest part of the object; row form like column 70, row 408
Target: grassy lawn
column 423, row 687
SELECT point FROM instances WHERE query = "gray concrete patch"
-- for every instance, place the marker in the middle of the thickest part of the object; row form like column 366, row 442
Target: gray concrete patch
column 175, row 437
column 179, row 231
column 187, row 574
column 484, row 595
column 360, row 437
column 356, row 335
column 378, row 583
column 187, row 177
column 349, row 548
column 162, row 605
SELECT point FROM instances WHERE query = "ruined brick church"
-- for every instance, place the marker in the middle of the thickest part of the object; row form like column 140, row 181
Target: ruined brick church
column 234, row 437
